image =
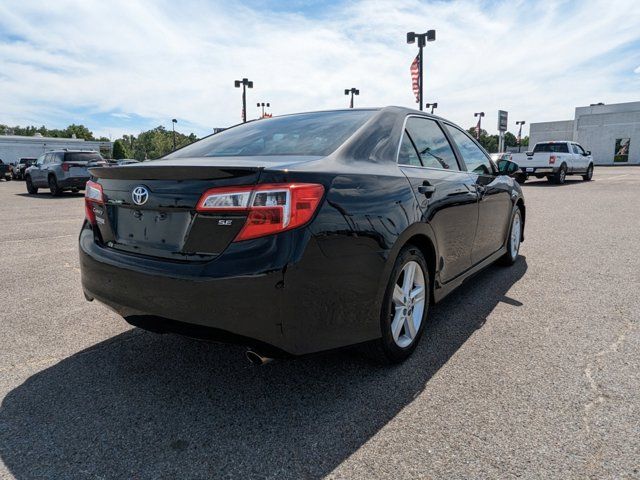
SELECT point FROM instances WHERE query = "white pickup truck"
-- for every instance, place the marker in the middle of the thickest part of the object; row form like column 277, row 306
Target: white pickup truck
column 555, row 160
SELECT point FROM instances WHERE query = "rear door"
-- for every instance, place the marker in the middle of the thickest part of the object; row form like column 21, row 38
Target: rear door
column 445, row 193
column 493, row 191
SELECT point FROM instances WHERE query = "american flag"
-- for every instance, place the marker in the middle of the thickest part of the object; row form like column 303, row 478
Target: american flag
column 415, row 77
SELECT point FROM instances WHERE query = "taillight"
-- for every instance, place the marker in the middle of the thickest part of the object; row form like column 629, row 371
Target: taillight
column 552, row 159
column 271, row 208
column 65, row 167
column 92, row 195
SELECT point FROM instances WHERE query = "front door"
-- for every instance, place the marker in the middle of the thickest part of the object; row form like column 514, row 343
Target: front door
column 445, row 193
column 494, row 193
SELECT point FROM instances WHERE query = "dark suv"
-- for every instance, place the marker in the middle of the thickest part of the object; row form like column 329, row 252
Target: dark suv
column 21, row 166
column 62, row 170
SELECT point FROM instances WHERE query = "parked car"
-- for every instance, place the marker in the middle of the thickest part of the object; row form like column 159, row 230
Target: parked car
column 21, row 166
column 5, row 171
column 556, row 160
column 62, row 170
column 301, row 233
column 496, row 157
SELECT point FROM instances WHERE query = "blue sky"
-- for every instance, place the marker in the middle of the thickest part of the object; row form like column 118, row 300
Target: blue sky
column 124, row 66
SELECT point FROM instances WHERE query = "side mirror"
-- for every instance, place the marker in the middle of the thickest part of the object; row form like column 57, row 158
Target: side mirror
column 529, row 154
column 506, row 167
column 587, row 153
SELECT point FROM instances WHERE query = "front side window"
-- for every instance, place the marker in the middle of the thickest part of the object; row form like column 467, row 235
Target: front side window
column 429, row 142
column 313, row 134
column 578, row 149
column 477, row 162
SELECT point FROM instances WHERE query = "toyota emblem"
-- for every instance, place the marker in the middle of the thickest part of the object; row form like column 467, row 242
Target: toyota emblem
column 140, row 195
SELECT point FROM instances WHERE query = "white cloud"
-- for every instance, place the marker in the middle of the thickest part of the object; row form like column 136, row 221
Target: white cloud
column 168, row 60
column 637, row 70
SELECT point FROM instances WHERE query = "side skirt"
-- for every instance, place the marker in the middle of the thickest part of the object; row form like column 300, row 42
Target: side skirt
column 451, row 285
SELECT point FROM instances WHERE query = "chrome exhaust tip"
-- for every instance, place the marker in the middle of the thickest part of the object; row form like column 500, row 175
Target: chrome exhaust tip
column 257, row 359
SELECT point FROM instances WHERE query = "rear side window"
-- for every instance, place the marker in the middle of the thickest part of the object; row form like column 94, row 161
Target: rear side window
column 430, row 146
column 551, row 148
column 477, row 162
column 82, row 157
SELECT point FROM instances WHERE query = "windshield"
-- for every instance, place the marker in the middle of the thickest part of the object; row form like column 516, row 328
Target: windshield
column 316, row 134
column 551, row 147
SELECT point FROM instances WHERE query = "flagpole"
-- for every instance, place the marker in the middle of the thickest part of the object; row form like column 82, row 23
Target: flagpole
column 420, row 72
column 422, row 38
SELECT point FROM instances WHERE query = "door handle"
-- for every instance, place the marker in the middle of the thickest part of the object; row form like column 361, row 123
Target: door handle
column 427, row 189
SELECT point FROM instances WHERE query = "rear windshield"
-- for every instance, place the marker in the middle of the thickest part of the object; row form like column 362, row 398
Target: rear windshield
column 551, row 147
column 304, row 134
column 82, row 157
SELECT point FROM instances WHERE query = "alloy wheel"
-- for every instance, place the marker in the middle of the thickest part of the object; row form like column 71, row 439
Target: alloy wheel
column 409, row 296
column 515, row 235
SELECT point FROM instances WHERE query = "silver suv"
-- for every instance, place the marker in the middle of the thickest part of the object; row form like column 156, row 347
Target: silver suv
column 62, row 170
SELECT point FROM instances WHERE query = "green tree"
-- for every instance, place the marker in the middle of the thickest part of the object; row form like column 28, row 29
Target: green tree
column 80, row 131
column 119, row 151
column 510, row 140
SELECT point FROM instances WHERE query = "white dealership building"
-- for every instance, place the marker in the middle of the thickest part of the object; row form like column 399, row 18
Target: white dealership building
column 15, row 147
column 611, row 132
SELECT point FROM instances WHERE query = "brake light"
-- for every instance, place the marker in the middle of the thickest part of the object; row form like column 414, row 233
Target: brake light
column 65, row 167
column 271, row 208
column 92, row 195
column 552, row 159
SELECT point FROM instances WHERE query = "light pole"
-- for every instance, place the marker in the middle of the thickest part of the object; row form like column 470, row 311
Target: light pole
column 479, row 126
column 520, row 122
column 245, row 83
column 263, row 105
column 353, row 91
column 173, row 125
column 428, row 36
column 432, row 105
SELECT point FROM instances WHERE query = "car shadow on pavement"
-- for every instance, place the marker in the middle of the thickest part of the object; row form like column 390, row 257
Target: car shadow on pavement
column 141, row 405
column 546, row 183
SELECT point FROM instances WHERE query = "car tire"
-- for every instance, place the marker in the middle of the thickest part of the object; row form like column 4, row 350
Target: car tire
column 589, row 175
column 560, row 176
column 53, row 186
column 30, row 187
column 513, row 239
column 405, row 307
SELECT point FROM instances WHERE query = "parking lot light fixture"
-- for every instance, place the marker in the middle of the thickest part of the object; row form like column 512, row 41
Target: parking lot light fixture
column 173, row 126
column 421, row 39
column 244, row 83
column 352, row 91
column 479, row 125
column 432, row 105
column 263, row 104
column 520, row 123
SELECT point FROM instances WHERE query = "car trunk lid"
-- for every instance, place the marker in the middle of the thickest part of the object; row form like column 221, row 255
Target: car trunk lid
column 150, row 208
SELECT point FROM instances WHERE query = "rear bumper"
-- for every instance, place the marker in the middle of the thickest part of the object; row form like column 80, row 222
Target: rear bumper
column 539, row 170
column 278, row 293
column 73, row 182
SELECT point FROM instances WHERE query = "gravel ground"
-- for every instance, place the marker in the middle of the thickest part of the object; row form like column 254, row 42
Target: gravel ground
column 530, row 371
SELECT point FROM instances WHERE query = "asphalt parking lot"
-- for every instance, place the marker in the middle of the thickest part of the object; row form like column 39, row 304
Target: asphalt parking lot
column 530, row 371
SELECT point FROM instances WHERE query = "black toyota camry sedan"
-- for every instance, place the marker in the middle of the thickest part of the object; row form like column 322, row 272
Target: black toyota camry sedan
column 301, row 233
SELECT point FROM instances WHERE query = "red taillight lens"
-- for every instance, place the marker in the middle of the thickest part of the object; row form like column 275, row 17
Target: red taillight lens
column 552, row 159
column 270, row 208
column 92, row 195
column 65, row 167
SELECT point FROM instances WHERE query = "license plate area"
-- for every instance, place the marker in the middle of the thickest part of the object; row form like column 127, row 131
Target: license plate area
column 151, row 228
column 78, row 172
column 530, row 169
